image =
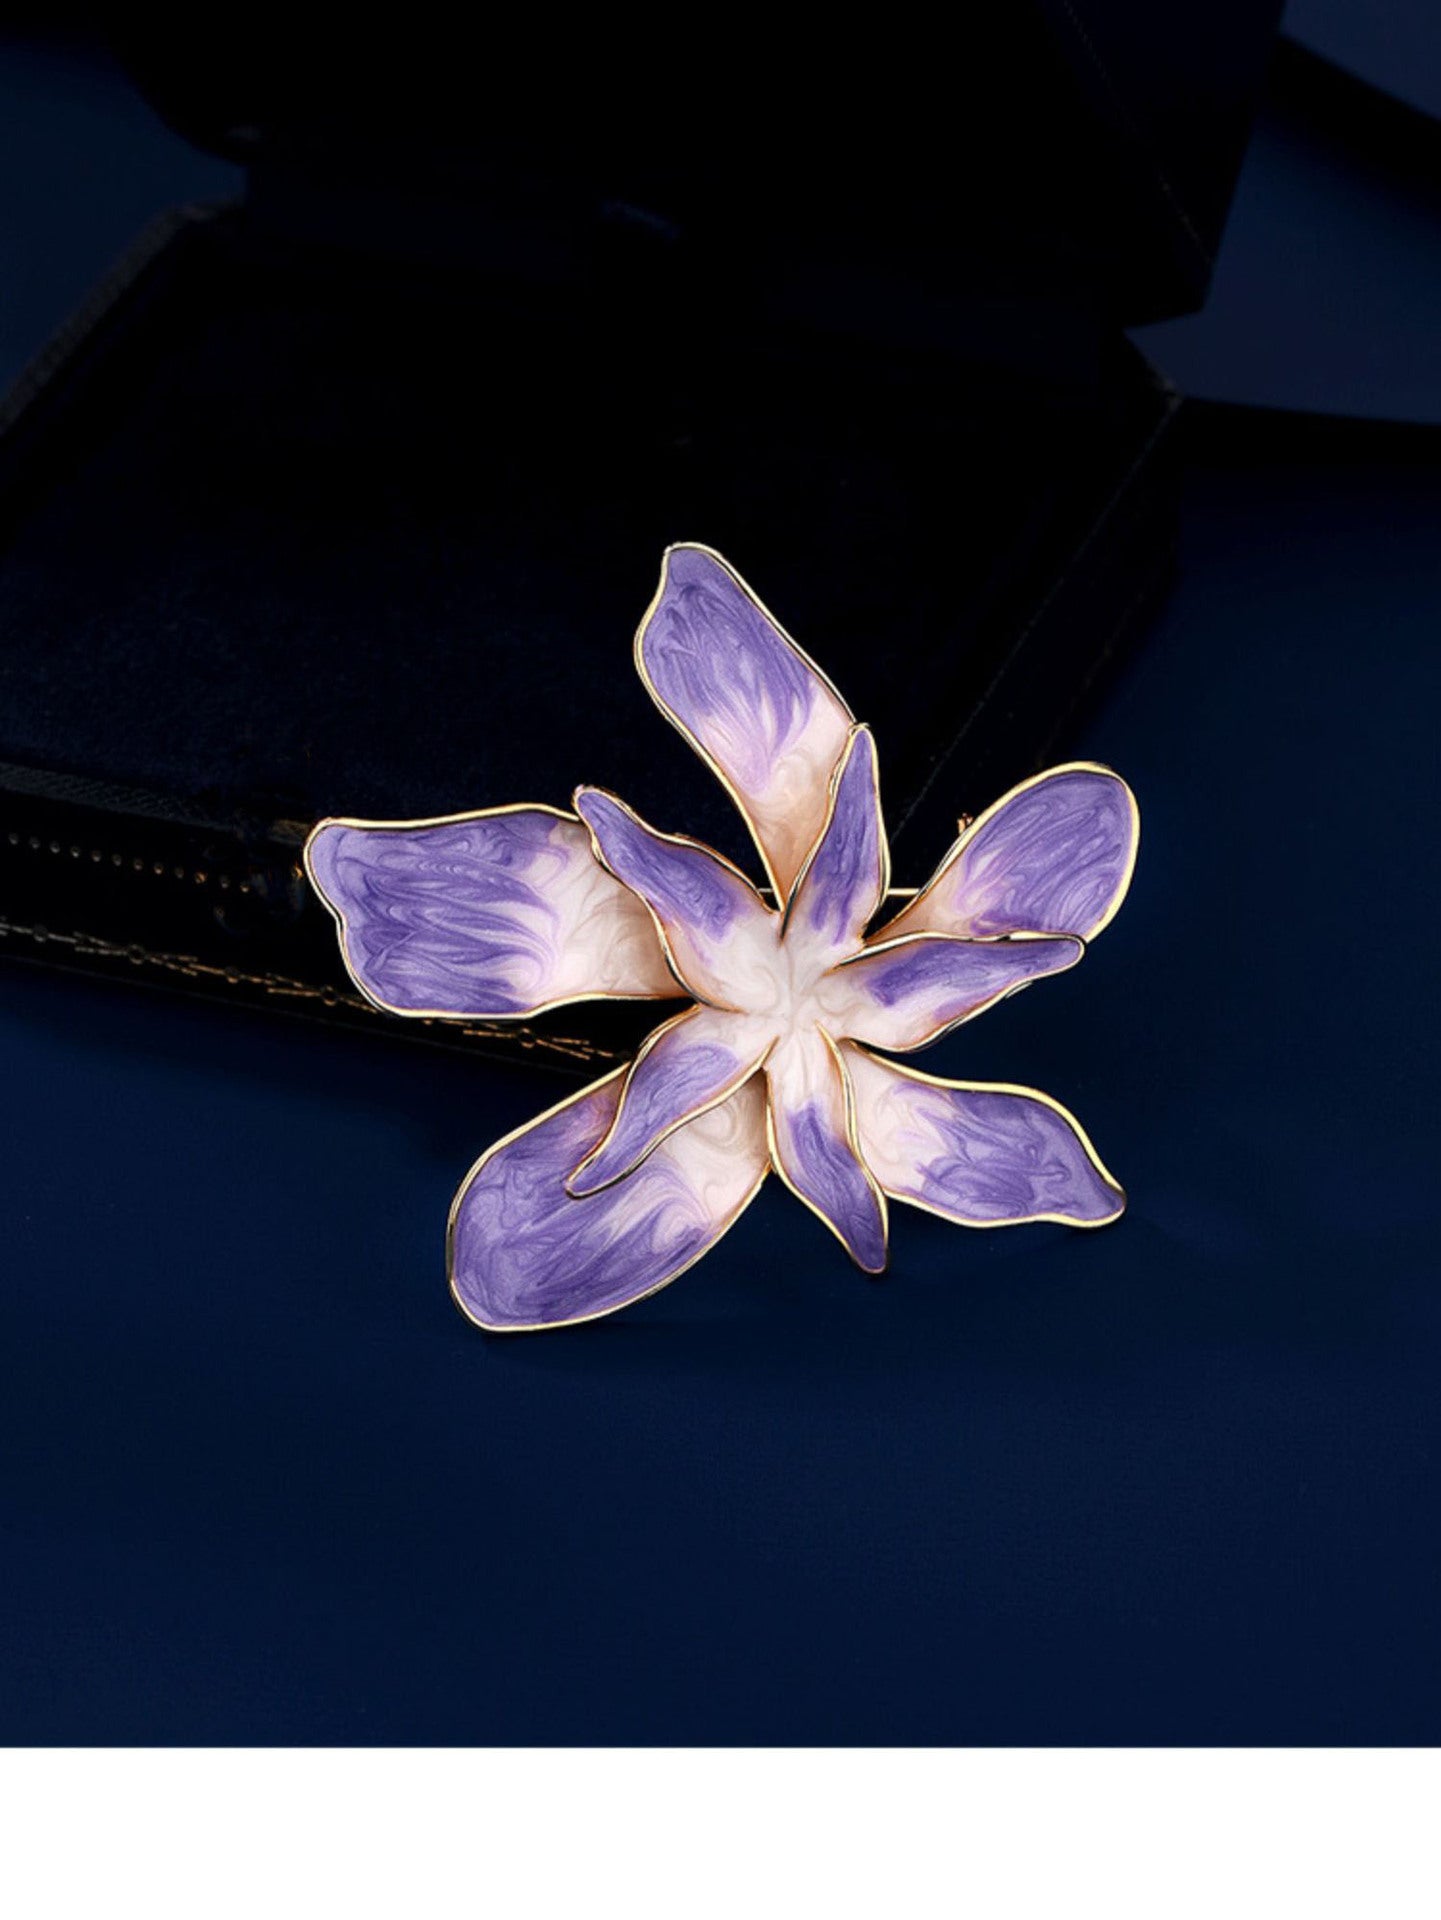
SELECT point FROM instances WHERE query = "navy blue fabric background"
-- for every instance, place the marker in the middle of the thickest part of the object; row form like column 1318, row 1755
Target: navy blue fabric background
column 1176, row 1481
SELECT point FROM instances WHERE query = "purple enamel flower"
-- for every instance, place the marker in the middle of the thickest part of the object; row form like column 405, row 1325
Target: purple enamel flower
column 776, row 1062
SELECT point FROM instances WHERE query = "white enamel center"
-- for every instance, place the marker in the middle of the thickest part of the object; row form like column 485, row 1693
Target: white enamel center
column 785, row 985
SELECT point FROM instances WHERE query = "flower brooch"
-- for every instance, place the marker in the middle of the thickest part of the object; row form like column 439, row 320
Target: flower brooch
column 620, row 1188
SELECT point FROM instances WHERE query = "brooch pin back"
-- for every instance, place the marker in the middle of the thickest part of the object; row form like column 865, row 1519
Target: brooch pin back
column 776, row 1061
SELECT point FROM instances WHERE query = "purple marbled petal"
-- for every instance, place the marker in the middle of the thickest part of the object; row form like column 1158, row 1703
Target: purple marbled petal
column 812, row 1148
column 1054, row 856
column 906, row 993
column 984, row 1156
column 714, row 922
column 845, row 878
column 524, row 1254
column 745, row 695
column 685, row 1066
column 494, row 914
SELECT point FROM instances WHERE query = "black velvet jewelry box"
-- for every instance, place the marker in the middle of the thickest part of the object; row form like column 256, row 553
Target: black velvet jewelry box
column 348, row 497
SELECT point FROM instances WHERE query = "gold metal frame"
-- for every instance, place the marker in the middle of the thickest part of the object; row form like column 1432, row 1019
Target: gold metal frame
column 784, row 899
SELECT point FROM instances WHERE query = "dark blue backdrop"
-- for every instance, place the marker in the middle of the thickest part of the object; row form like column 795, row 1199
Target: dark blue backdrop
column 1177, row 1481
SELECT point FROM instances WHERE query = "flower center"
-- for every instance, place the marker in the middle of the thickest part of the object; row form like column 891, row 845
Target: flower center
column 786, row 984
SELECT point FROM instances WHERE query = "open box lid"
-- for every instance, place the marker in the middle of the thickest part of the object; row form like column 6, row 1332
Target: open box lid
column 1086, row 147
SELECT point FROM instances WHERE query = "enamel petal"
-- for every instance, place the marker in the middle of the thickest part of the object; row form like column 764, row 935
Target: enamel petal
column 906, row 993
column 524, row 1255
column 987, row 1156
column 720, row 935
column 691, row 1063
column 1054, row 856
column 498, row 914
column 813, row 1144
column 846, row 875
column 753, row 705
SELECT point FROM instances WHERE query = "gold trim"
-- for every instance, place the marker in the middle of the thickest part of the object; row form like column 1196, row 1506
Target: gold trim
column 651, row 1041
column 277, row 986
column 580, row 1319
column 337, row 913
column 833, row 794
column 973, row 829
column 20, row 841
column 1026, row 1093
column 698, row 546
